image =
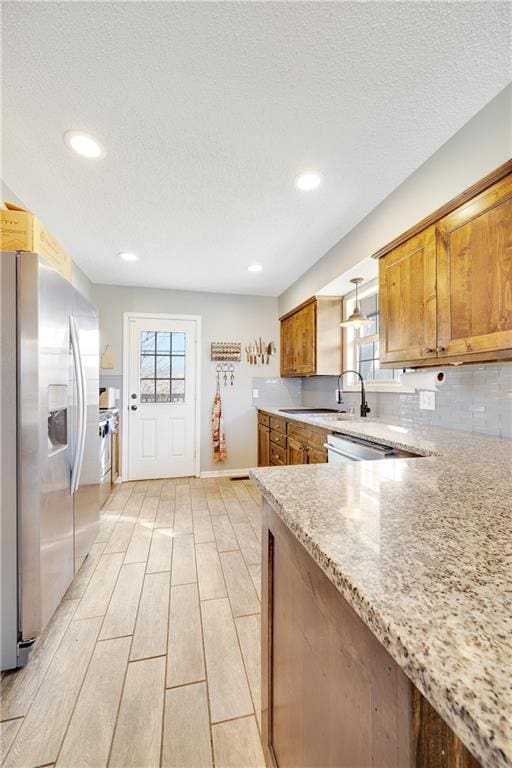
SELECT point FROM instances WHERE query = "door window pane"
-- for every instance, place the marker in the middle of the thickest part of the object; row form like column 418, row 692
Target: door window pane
column 178, row 391
column 163, row 391
column 147, row 366
column 163, row 367
column 147, row 390
column 178, row 343
column 178, row 367
column 147, row 341
column 163, row 342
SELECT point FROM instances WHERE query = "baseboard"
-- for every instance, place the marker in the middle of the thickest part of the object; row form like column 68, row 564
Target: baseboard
column 225, row 473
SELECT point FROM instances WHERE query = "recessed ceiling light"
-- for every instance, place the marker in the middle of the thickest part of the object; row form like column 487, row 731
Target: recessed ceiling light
column 126, row 256
column 255, row 268
column 84, row 144
column 306, row 182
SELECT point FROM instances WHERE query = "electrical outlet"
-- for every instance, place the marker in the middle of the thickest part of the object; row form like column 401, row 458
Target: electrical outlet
column 427, row 400
column 255, row 394
column 117, row 394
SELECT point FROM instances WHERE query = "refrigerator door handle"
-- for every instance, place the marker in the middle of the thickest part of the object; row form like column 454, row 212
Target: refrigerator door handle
column 75, row 470
column 84, row 408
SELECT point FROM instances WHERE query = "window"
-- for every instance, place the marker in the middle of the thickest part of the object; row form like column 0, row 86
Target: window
column 162, row 367
column 362, row 344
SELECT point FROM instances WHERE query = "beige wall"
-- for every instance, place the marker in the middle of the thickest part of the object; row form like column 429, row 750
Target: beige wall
column 484, row 143
column 225, row 317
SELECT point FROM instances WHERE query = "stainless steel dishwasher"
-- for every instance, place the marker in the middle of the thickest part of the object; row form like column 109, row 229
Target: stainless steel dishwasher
column 343, row 448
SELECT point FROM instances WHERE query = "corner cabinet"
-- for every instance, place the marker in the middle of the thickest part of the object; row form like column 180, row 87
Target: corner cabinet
column 446, row 287
column 311, row 338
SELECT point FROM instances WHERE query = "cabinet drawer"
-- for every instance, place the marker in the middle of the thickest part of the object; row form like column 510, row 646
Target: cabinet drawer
column 263, row 418
column 297, row 431
column 278, row 438
column 277, row 423
column 277, row 454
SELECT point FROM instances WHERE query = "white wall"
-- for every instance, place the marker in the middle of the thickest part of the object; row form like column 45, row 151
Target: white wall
column 483, row 144
column 225, row 317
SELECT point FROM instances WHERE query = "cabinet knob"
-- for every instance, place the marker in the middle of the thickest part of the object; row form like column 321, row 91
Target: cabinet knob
column 428, row 351
column 440, row 349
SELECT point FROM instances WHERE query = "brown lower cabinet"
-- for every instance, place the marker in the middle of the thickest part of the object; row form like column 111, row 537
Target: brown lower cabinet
column 332, row 696
column 284, row 442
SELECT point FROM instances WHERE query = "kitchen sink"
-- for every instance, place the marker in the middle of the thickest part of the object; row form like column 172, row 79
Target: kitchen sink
column 310, row 410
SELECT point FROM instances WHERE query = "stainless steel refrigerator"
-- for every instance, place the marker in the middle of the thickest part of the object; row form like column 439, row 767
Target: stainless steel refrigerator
column 49, row 445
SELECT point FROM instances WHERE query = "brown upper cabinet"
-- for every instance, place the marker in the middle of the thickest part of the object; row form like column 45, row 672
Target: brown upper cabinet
column 446, row 284
column 311, row 339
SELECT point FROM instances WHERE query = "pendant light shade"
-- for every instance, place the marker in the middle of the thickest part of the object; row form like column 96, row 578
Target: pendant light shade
column 357, row 319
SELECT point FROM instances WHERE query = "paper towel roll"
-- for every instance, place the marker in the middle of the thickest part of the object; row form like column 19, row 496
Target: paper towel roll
column 424, row 379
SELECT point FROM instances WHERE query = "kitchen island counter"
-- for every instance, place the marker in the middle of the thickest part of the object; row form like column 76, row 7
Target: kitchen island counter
column 421, row 549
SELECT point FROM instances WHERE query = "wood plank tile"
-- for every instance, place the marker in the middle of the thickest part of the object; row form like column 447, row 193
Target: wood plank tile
column 227, row 684
column 249, row 635
column 183, row 560
column 106, row 526
column 99, row 590
column 8, row 731
column 237, row 744
column 168, row 490
column 215, row 503
column 240, row 491
column 224, row 533
column 133, row 506
column 154, row 488
column 83, row 577
column 160, row 552
column 249, row 544
column 165, row 514
column 241, row 592
column 120, row 537
column 140, row 488
column 186, row 742
column 150, row 636
column 122, row 610
column 119, row 498
column 183, row 517
column 209, row 572
column 202, row 524
column 148, row 510
column 185, row 658
column 140, row 542
column 253, row 512
column 198, row 497
column 139, row 725
column 233, row 507
column 89, row 735
column 40, row 735
column 255, row 572
column 18, row 688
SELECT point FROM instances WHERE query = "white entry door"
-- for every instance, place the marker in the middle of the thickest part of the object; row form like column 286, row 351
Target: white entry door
column 162, row 391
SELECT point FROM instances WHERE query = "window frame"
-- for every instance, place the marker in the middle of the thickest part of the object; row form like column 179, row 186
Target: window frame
column 351, row 343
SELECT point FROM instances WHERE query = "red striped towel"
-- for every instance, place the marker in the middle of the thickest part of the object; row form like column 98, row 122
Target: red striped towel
column 219, row 440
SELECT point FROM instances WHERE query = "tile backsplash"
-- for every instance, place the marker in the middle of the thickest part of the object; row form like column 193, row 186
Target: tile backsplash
column 276, row 391
column 475, row 398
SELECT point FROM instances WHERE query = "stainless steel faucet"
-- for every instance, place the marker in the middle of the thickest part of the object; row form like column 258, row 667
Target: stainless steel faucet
column 365, row 409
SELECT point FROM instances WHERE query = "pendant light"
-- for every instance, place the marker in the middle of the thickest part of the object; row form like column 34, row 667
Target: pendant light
column 356, row 319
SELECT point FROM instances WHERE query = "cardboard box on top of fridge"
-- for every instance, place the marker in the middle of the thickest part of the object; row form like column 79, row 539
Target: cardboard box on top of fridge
column 20, row 230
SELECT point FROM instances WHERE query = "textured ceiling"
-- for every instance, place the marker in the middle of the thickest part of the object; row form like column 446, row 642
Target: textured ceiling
column 209, row 110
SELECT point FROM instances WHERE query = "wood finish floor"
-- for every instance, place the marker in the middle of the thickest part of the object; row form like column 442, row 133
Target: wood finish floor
column 153, row 657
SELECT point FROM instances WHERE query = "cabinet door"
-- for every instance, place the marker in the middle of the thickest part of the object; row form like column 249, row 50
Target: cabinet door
column 287, row 347
column 317, row 455
column 296, row 452
column 263, row 446
column 407, row 277
column 474, row 274
column 304, row 340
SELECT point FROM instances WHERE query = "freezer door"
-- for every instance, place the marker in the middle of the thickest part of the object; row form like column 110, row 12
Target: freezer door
column 86, row 497
column 45, row 505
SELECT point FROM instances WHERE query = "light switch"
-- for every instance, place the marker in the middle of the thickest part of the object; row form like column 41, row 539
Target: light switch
column 427, row 400
column 255, row 394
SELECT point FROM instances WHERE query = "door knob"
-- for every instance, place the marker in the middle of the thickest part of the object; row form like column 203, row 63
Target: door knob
column 133, row 407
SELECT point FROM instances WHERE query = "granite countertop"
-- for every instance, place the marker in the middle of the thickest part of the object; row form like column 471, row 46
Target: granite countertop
column 421, row 548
